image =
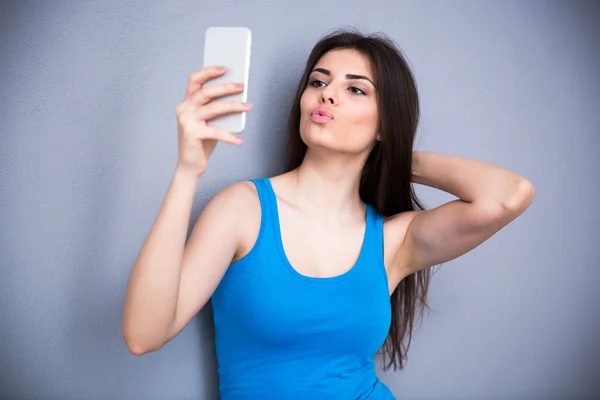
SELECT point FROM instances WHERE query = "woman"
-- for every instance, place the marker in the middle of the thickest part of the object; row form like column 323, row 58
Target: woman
column 300, row 267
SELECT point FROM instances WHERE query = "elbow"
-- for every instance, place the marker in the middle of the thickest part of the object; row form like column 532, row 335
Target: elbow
column 139, row 346
column 520, row 197
column 138, row 349
column 509, row 206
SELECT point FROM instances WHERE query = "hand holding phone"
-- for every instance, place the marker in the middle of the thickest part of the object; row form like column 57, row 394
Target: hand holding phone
column 196, row 139
column 202, row 120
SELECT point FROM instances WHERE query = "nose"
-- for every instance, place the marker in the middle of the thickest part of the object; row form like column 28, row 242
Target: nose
column 327, row 96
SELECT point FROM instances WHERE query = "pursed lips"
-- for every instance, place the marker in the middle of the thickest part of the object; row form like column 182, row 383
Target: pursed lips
column 321, row 115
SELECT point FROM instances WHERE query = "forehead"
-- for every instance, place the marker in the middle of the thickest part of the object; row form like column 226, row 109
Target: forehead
column 345, row 61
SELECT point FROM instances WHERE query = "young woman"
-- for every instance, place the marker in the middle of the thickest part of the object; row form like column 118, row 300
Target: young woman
column 312, row 272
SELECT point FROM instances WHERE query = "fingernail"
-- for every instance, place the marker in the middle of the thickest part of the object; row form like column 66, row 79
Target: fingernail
column 248, row 105
column 239, row 85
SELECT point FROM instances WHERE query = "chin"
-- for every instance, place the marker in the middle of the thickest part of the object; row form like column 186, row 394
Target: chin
column 330, row 143
column 334, row 138
column 313, row 134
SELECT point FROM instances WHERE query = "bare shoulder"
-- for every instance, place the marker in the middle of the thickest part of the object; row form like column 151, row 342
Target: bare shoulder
column 237, row 194
column 237, row 201
column 240, row 203
column 229, row 210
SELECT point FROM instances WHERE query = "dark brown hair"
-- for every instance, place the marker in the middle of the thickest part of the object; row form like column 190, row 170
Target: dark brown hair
column 386, row 177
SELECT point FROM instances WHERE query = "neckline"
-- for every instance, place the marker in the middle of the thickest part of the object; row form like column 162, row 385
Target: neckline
column 281, row 250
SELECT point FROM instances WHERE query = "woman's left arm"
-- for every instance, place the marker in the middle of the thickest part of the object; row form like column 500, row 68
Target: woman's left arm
column 490, row 197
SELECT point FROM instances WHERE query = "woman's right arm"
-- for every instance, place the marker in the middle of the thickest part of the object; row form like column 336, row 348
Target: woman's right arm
column 171, row 281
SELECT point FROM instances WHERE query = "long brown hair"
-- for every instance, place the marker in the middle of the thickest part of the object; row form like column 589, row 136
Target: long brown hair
column 386, row 177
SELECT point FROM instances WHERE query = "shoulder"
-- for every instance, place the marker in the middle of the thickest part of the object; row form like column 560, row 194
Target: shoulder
column 239, row 204
column 236, row 195
column 233, row 202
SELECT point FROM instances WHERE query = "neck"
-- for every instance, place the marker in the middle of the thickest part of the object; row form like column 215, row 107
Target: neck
column 327, row 185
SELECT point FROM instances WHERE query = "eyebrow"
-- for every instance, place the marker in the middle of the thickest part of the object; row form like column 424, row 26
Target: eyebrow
column 348, row 76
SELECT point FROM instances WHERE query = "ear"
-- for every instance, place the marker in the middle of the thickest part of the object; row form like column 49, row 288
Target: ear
column 378, row 137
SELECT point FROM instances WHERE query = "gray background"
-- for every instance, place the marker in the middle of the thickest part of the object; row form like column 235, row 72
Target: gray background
column 87, row 99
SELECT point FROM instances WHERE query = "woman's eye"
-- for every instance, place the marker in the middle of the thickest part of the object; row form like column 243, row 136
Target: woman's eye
column 356, row 90
column 317, row 83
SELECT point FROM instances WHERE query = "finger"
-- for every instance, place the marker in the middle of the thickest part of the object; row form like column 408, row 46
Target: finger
column 208, row 93
column 217, row 109
column 223, row 136
column 199, row 78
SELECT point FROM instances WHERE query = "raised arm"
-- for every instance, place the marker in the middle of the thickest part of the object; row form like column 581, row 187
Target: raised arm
column 489, row 198
column 170, row 281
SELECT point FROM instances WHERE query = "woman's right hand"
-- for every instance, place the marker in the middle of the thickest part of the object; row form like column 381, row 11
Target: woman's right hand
column 196, row 139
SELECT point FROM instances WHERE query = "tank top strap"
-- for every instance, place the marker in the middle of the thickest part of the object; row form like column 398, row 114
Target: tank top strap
column 375, row 222
column 265, row 196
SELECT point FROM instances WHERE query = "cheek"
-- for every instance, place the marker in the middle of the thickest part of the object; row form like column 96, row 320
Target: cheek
column 370, row 118
column 304, row 101
column 364, row 122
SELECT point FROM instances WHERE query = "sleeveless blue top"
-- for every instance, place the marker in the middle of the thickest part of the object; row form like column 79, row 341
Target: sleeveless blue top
column 281, row 335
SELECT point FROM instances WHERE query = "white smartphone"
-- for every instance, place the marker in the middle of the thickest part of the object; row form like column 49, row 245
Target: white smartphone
column 229, row 47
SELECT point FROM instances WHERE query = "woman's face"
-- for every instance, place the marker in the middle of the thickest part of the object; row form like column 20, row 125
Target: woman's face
column 339, row 105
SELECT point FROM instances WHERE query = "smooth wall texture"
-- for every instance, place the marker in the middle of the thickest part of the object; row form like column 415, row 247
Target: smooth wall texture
column 88, row 146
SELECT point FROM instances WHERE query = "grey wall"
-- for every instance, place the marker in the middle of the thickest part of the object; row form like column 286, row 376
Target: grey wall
column 88, row 145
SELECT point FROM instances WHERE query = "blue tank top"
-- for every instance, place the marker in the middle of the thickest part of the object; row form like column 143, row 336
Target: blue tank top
column 281, row 335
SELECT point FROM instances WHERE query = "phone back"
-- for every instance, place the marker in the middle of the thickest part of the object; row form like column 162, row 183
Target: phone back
column 229, row 47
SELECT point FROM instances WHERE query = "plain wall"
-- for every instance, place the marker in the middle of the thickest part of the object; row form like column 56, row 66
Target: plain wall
column 88, row 146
